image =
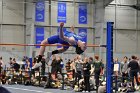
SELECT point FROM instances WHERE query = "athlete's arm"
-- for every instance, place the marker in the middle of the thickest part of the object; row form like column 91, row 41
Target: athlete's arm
column 61, row 35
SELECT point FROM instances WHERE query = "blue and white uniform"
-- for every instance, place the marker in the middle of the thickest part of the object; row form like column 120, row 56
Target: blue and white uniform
column 56, row 39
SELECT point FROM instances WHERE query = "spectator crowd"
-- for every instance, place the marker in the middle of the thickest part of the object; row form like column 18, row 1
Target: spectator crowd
column 87, row 73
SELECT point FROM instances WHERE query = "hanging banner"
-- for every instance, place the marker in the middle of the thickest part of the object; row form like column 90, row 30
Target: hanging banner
column 61, row 12
column 83, row 34
column 58, row 29
column 40, row 11
column 39, row 35
column 82, row 14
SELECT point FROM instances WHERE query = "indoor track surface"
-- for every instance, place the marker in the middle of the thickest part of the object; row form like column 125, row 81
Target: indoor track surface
column 33, row 89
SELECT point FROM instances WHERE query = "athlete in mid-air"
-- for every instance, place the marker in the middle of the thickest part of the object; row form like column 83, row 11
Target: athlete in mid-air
column 68, row 38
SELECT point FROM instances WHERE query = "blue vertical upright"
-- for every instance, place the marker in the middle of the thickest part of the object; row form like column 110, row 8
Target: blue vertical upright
column 31, row 62
column 109, row 57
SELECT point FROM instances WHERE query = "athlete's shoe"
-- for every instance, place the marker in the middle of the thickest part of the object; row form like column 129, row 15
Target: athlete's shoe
column 37, row 65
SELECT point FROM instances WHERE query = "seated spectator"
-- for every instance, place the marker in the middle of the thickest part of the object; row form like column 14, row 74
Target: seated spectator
column 68, row 69
column 68, row 65
column 1, row 64
column 16, row 66
column 27, row 65
column 11, row 62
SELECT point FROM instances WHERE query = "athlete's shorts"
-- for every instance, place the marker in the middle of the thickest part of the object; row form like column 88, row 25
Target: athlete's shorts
column 55, row 39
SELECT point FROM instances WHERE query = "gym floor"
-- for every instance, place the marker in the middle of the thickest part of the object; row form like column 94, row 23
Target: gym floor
column 33, row 89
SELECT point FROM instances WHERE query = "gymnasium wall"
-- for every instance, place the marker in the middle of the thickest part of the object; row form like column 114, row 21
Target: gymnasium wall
column 12, row 23
column 72, row 19
column 126, row 27
column 12, row 28
column 16, row 20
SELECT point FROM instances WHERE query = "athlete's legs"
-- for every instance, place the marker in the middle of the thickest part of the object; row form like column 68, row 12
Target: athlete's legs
column 61, row 50
column 41, row 53
column 51, row 40
column 42, row 48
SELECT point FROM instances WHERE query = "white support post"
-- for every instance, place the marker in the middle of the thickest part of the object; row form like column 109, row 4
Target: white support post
column 99, row 25
column 31, row 40
column 30, row 29
column 1, row 28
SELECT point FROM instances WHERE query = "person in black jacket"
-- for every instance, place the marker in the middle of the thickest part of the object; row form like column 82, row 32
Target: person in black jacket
column 16, row 66
column 56, row 66
column 86, row 74
column 53, row 69
column 134, row 69
column 59, row 66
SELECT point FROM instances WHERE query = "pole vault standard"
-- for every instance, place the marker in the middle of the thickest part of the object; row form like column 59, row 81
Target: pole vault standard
column 109, row 58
